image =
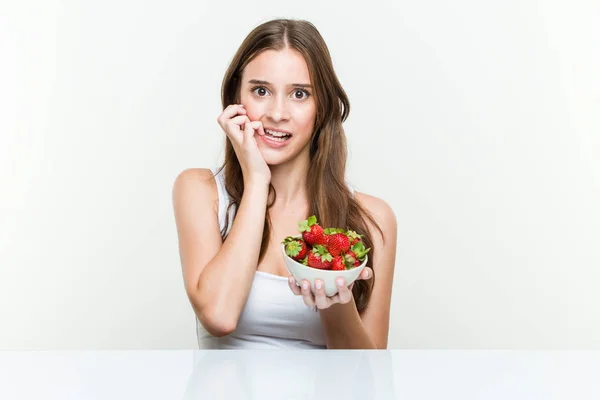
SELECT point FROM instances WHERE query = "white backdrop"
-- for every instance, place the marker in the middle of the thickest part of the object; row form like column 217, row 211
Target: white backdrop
column 478, row 123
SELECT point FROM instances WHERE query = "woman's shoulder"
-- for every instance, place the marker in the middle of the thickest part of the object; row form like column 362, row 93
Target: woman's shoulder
column 203, row 173
column 195, row 177
column 193, row 184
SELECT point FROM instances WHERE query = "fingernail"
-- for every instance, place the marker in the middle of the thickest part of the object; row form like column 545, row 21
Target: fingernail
column 291, row 279
column 340, row 282
column 318, row 285
column 305, row 286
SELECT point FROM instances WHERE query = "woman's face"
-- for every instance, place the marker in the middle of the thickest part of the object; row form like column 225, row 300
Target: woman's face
column 276, row 90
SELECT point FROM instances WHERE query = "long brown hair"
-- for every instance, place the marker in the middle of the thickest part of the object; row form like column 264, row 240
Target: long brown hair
column 330, row 199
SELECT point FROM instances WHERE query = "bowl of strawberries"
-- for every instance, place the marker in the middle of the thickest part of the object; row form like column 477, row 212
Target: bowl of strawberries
column 324, row 254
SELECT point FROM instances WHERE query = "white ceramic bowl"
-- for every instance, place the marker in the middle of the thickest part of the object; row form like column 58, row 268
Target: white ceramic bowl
column 300, row 272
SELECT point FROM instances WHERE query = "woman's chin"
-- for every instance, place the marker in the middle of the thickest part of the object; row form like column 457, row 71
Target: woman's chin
column 271, row 158
column 271, row 161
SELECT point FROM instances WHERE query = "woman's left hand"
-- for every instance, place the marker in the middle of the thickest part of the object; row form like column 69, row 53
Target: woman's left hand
column 319, row 299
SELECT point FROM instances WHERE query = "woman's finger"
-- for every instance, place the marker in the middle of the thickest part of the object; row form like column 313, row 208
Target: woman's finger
column 366, row 273
column 249, row 131
column 236, row 126
column 230, row 117
column 260, row 128
column 344, row 293
column 229, row 112
column 321, row 299
column 252, row 128
column 239, row 120
column 294, row 286
column 307, row 295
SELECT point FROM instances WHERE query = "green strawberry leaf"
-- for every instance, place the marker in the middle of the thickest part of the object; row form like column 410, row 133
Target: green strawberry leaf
column 326, row 257
column 353, row 235
column 348, row 262
column 304, row 226
column 358, row 247
column 319, row 249
column 361, row 255
column 365, row 253
column 292, row 249
column 322, row 252
column 289, row 239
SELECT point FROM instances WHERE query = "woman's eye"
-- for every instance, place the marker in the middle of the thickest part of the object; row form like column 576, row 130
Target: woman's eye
column 301, row 92
column 261, row 91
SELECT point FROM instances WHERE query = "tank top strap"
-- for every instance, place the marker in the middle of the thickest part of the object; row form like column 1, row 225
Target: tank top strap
column 223, row 197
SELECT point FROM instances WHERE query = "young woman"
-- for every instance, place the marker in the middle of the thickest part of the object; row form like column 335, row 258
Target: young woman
column 285, row 160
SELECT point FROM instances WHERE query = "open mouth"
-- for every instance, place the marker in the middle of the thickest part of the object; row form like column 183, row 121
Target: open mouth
column 277, row 136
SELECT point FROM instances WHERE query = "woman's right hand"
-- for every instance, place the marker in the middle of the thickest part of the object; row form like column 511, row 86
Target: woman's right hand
column 240, row 130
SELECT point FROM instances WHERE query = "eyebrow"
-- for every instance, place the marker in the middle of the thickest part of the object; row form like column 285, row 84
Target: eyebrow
column 259, row 82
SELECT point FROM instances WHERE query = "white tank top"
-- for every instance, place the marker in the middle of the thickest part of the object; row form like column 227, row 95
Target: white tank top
column 273, row 316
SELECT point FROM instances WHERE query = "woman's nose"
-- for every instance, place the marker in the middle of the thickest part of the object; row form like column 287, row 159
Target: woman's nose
column 278, row 110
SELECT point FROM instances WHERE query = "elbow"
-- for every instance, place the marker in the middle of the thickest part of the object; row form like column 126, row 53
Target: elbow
column 213, row 318
column 216, row 326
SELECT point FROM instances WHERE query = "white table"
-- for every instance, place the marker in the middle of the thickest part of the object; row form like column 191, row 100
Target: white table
column 293, row 374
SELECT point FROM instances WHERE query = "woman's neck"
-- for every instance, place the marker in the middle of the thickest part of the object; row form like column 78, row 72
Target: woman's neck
column 289, row 181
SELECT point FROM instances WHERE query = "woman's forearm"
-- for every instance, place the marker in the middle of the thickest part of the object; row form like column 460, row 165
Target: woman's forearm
column 225, row 283
column 344, row 328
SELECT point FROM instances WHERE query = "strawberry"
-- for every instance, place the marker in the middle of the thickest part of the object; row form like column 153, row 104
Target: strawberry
column 338, row 243
column 312, row 232
column 338, row 263
column 319, row 257
column 354, row 237
column 295, row 248
column 359, row 251
column 351, row 259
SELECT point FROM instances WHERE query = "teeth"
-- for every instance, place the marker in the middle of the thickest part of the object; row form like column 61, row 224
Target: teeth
column 277, row 139
column 276, row 134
